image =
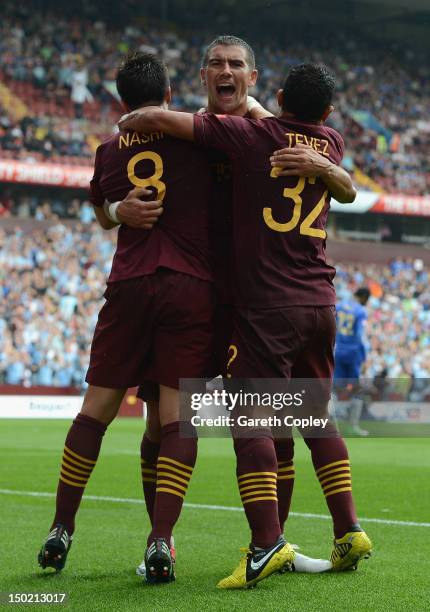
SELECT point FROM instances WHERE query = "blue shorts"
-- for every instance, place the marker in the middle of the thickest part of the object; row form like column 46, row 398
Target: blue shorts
column 347, row 367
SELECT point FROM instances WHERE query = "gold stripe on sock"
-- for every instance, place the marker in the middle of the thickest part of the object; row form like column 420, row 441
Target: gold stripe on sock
column 79, row 456
column 341, row 472
column 331, row 465
column 286, row 469
column 148, row 471
column 145, row 479
column 256, row 480
column 336, row 484
column 66, row 463
column 73, row 484
column 174, row 484
column 258, row 492
column 165, row 490
column 256, row 499
column 287, row 477
column 178, row 463
column 87, row 468
column 173, row 476
column 84, row 480
column 166, row 466
column 256, row 486
column 341, row 490
column 257, row 474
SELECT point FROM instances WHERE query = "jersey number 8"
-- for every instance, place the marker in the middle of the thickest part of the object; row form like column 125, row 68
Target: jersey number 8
column 154, row 179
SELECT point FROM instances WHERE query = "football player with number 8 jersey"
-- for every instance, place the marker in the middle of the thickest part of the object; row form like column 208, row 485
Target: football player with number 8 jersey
column 157, row 321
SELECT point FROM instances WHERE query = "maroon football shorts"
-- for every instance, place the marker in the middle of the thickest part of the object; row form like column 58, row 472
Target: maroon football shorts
column 223, row 319
column 289, row 343
column 157, row 328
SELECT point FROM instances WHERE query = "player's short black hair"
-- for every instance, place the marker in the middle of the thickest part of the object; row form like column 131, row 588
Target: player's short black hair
column 308, row 91
column 230, row 41
column 362, row 293
column 142, row 78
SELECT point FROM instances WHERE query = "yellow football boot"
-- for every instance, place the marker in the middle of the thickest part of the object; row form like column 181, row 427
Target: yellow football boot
column 257, row 564
column 349, row 550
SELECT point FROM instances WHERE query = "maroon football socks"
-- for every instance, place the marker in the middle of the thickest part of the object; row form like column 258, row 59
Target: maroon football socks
column 257, row 476
column 331, row 464
column 175, row 466
column 80, row 454
column 284, row 448
column 149, row 452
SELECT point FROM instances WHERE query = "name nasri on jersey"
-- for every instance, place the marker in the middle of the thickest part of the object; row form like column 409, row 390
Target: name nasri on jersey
column 133, row 138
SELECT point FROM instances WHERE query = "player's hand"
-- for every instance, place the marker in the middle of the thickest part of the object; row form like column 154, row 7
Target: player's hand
column 301, row 160
column 134, row 212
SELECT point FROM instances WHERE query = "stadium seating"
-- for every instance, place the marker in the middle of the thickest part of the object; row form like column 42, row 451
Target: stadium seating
column 387, row 136
column 51, row 284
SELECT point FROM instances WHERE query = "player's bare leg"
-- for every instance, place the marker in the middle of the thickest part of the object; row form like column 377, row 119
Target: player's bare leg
column 176, row 460
column 80, row 455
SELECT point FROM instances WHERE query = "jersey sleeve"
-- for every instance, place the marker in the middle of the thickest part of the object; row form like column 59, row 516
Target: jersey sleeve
column 96, row 195
column 226, row 133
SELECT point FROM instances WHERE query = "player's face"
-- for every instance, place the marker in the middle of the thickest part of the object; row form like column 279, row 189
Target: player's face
column 227, row 77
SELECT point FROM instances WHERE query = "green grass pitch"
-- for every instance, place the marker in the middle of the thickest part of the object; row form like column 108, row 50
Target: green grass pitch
column 391, row 482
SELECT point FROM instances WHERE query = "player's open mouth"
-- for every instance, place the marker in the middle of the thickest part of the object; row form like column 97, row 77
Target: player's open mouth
column 226, row 90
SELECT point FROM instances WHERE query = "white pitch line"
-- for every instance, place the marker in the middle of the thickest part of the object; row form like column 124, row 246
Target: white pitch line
column 132, row 500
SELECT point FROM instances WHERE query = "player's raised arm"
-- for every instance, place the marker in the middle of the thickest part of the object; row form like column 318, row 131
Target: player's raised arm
column 303, row 160
column 156, row 119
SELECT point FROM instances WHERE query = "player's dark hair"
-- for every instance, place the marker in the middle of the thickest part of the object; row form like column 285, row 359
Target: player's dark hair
column 230, row 41
column 308, row 91
column 142, row 78
column 362, row 293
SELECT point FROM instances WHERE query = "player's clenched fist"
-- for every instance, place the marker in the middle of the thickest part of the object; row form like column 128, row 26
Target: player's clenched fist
column 135, row 212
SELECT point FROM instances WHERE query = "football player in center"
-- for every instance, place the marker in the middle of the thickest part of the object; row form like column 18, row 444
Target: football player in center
column 228, row 70
column 284, row 296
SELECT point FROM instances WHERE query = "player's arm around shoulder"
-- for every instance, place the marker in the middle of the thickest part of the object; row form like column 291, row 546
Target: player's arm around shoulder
column 157, row 119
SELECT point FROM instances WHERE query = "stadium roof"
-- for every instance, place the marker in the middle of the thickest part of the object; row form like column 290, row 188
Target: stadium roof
column 402, row 21
column 406, row 22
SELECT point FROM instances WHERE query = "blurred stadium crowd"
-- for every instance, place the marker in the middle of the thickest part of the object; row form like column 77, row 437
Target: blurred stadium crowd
column 57, row 104
column 61, row 71
column 51, row 284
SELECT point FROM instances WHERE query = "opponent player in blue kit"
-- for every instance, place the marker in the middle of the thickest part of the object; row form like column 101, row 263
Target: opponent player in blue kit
column 350, row 351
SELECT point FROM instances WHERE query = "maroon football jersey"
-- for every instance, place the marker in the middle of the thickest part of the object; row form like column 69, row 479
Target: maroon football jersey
column 278, row 222
column 221, row 223
column 178, row 172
